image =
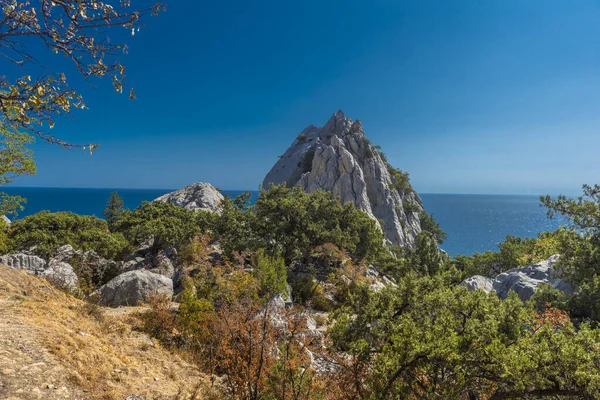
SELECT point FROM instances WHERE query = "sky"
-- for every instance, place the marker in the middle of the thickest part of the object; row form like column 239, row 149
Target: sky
column 495, row 97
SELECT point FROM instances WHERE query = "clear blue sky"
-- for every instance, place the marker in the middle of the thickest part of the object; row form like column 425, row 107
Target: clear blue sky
column 467, row 96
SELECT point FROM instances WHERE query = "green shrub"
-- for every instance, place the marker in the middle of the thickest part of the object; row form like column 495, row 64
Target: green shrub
column 49, row 231
column 166, row 223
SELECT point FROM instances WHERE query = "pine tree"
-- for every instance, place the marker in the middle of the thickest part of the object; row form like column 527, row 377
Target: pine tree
column 114, row 209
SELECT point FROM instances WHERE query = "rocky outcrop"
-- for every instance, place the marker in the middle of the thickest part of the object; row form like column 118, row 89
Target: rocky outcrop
column 30, row 263
column 5, row 219
column 101, row 269
column 523, row 281
column 478, row 282
column 194, row 197
column 61, row 275
column 338, row 158
column 134, row 287
column 58, row 273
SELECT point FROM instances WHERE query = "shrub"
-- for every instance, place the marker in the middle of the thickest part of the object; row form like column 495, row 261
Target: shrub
column 166, row 223
column 49, row 231
column 292, row 222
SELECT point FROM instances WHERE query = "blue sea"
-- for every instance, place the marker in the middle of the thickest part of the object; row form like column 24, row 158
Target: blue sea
column 474, row 223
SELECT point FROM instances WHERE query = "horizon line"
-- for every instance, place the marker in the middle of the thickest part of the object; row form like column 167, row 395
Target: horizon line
column 256, row 190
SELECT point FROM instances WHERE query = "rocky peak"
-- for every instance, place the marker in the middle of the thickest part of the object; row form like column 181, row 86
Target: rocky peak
column 197, row 196
column 338, row 158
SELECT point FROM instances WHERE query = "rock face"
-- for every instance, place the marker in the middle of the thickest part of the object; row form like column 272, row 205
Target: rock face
column 478, row 282
column 338, row 158
column 523, row 281
column 135, row 287
column 61, row 275
column 30, row 263
column 102, row 269
column 197, row 196
column 58, row 273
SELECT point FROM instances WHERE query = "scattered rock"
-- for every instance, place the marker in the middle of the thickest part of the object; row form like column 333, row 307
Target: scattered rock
column 194, row 197
column 338, row 158
column 134, row 287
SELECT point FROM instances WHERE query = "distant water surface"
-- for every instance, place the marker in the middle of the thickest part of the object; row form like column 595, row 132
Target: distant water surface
column 474, row 223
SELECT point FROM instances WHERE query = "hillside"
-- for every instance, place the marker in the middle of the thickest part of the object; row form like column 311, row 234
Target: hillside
column 54, row 346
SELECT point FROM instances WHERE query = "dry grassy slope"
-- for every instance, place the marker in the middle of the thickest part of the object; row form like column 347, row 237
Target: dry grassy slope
column 54, row 346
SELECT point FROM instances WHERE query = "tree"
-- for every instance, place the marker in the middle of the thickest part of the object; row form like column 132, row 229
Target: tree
column 15, row 160
column 293, row 222
column 164, row 223
column 114, row 209
column 424, row 339
column 75, row 29
column 429, row 224
column 48, row 231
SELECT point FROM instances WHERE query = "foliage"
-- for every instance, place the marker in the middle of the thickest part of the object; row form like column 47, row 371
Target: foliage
column 429, row 224
column 49, row 231
column 15, row 160
column 234, row 227
column 4, row 245
column 271, row 274
column 292, row 222
column 515, row 252
column 425, row 339
column 114, row 209
column 75, row 29
column 165, row 223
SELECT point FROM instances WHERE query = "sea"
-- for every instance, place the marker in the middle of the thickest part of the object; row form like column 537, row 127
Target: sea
column 473, row 223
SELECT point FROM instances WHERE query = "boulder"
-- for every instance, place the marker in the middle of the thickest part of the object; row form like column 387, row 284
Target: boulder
column 478, row 282
column 525, row 281
column 101, row 269
column 61, row 275
column 339, row 159
column 30, row 263
column 134, row 287
column 162, row 264
column 194, row 197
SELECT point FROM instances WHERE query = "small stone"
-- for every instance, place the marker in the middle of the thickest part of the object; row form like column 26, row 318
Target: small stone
column 155, row 379
column 50, row 386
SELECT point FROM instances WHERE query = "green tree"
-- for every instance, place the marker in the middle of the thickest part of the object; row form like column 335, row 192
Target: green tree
column 425, row 339
column 48, row 231
column 114, row 209
column 234, row 227
column 429, row 224
column 271, row 273
column 164, row 223
column 30, row 105
column 293, row 223
column 15, row 160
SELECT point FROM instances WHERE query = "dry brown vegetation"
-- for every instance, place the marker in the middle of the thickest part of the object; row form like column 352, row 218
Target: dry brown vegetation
column 53, row 345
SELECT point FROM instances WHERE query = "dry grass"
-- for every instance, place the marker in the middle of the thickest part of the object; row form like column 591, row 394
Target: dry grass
column 100, row 350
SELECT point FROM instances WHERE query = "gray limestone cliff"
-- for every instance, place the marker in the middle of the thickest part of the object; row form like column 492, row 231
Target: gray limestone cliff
column 339, row 159
column 197, row 196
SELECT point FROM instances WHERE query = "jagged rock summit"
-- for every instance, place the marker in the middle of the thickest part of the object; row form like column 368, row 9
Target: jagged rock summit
column 197, row 196
column 338, row 158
